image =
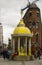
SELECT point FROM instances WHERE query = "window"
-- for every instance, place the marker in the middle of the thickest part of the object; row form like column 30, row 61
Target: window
column 37, row 13
column 30, row 13
column 33, row 24
column 36, row 25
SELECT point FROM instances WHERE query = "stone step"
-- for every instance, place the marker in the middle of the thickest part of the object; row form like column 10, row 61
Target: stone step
column 23, row 58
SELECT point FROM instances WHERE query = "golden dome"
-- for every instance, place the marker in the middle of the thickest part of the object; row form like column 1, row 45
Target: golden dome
column 21, row 29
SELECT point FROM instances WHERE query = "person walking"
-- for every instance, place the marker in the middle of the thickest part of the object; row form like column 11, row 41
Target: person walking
column 38, row 53
column 5, row 53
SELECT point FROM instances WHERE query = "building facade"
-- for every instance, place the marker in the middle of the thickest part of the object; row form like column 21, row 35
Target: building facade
column 1, row 34
column 32, row 19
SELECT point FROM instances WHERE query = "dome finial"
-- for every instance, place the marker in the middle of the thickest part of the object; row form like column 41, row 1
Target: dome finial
column 21, row 23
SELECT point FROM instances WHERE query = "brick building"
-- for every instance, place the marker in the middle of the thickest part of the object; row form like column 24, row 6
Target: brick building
column 41, row 35
column 32, row 19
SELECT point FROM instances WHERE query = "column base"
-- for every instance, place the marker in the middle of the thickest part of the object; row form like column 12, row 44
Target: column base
column 31, row 57
column 23, row 58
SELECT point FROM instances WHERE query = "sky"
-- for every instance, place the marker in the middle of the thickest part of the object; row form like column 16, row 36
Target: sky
column 10, row 15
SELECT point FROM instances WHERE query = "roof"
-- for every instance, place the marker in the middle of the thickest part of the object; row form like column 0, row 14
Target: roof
column 33, row 5
column 21, row 29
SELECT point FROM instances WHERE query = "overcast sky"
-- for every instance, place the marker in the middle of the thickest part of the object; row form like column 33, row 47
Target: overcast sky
column 10, row 15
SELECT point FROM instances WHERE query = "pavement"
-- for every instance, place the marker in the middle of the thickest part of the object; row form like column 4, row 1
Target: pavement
column 10, row 62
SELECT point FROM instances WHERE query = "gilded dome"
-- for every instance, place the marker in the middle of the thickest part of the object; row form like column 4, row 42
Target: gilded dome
column 21, row 29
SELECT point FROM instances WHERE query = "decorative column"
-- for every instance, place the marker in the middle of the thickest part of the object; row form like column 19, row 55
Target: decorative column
column 13, row 42
column 26, row 44
column 18, row 45
column 29, row 46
